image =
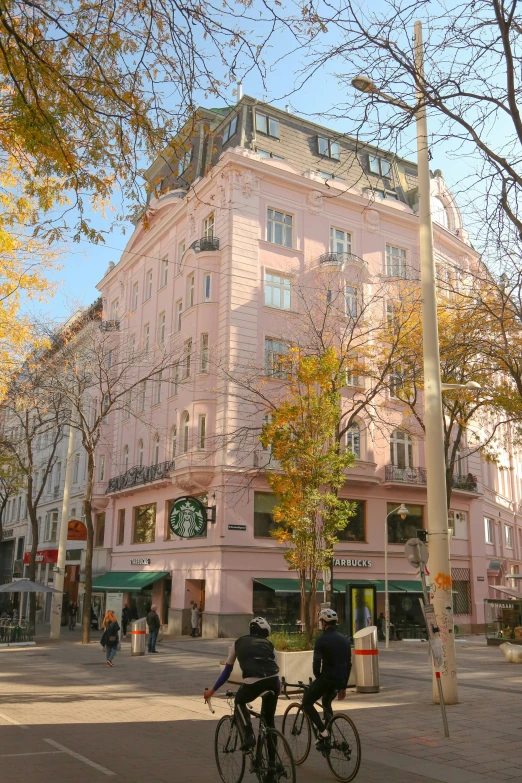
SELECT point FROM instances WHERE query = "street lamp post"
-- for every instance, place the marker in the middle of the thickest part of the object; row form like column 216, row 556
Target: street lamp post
column 440, row 568
column 403, row 513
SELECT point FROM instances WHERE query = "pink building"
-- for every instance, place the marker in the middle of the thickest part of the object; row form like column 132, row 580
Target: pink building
column 255, row 201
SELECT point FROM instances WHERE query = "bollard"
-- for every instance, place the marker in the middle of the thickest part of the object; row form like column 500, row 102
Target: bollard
column 138, row 636
column 366, row 658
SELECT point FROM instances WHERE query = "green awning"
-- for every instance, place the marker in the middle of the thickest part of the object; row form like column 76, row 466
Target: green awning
column 127, row 581
column 408, row 585
column 281, row 585
column 339, row 585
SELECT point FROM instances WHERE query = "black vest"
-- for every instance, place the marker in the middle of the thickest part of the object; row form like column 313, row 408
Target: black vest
column 256, row 657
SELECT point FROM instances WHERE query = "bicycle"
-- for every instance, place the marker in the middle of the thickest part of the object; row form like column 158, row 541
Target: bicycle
column 231, row 760
column 342, row 747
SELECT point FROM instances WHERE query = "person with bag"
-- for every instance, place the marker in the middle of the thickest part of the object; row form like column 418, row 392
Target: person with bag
column 110, row 638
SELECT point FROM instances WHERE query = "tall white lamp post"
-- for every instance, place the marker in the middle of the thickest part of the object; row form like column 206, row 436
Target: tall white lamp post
column 402, row 511
column 440, row 568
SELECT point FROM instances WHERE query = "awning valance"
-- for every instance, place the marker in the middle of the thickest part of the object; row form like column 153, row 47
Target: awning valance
column 127, row 581
column 282, row 585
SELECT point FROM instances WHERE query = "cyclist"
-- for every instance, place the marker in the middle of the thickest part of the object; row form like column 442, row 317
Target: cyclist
column 258, row 661
column 331, row 667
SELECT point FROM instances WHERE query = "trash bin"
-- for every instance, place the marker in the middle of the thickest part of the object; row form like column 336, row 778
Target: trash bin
column 138, row 636
column 366, row 659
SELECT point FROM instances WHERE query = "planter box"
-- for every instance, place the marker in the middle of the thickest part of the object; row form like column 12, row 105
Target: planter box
column 293, row 666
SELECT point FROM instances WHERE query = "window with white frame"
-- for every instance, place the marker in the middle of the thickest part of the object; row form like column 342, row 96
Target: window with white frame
column 326, row 175
column 179, row 259
column 188, row 357
column 164, row 272
column 351, row 301
column 161, row 328
column 105, row 407
column 352, row 378
column 125, row 459
column 328, row 148
column 148, row 285
column 206, row 287
column 127, row 406
column 230, row 129
column 179, row 313
column 208, row 226
column 174, row 379
column 109, row 359
column 202, row 431
column 278, row 291
column 184, row 160
column 139, row 459
column 141, row 396
column 135, row 295
column 391, row 319
column 395, row 384
column 279, row 227
column 173, row 441
column 276, row 353
column 378, row 165
column 102, row 467
column 146, row 337
column 186, row 432
column 191, row 290
column 76, row 468
column 509, row 536
column 203, row 353
column 458, row 524
column 267, row 125
column 115, row 310
column 395, row 261
column 156, row 450
column 266, row 154
column 401, row 449
column 158, row 387
column 340, row 241
column 353, row 439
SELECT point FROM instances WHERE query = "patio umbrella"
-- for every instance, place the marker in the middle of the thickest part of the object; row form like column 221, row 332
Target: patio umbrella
column 26, row 586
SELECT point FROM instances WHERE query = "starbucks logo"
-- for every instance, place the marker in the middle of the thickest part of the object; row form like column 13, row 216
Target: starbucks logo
column 187, row 517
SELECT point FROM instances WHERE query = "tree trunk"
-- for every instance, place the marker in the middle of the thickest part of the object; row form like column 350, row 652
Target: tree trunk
column 87, row 597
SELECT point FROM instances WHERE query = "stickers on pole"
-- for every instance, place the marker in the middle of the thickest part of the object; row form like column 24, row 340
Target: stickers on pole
column 428, row 611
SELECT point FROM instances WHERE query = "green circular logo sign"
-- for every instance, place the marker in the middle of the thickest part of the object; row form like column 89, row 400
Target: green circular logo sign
column 188, row 517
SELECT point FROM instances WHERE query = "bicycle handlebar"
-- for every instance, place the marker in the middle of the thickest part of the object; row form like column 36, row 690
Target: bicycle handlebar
column 301, row 685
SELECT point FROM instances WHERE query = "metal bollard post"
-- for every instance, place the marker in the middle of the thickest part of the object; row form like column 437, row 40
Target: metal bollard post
column 366, row 658
column 138, row 636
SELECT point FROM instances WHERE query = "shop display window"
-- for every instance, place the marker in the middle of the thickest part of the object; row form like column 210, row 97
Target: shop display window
column 264, row 504
column 355, row 530
column 400, row 530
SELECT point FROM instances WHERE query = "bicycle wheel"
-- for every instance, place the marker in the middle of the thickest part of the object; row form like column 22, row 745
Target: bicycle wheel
column 344, row 748
column 274, row 760
column 230, row 759
column 297, row 731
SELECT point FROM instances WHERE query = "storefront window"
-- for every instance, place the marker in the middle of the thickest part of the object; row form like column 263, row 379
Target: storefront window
column 264, row 504
column 280, row 609
column 400, row 530
column 144, row 524
column 503, row 619
column 355, row 530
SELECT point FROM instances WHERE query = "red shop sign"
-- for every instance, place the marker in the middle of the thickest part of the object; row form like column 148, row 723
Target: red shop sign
column 44, row 556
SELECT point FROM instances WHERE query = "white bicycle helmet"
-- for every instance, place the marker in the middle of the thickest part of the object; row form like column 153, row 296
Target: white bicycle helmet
column 259, row 623
column 328, row 615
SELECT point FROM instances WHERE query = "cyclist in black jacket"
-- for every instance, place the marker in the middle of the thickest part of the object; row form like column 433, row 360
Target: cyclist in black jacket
column 331, row 667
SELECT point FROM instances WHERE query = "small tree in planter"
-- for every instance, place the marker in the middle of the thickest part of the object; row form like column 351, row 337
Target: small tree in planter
column 301, row 434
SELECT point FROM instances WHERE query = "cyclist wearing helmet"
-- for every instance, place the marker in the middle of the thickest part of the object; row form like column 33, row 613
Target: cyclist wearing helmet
column 258, row 661
column 331, row 666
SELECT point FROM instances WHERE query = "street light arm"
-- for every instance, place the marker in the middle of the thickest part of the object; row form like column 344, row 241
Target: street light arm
column 366, row 85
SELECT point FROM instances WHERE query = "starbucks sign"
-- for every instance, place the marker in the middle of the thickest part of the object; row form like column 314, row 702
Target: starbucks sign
column 188, row 517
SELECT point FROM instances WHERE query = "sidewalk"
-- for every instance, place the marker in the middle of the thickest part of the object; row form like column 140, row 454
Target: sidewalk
column 145, row 721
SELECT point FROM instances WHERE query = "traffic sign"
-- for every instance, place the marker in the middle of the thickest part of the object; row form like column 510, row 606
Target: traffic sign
column 416, row 552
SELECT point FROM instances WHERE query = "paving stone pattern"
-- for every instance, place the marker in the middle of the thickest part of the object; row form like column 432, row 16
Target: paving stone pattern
column 65, row 716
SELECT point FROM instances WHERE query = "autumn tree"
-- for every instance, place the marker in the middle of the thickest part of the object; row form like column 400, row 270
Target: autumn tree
column 11, row 483
column 301, row 435
column 101, row 372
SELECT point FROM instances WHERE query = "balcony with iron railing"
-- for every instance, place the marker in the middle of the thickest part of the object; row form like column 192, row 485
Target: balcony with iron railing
column 109, row 326
column 205, row 244
column 394, row 474
column 140, row 474
column 342, row 259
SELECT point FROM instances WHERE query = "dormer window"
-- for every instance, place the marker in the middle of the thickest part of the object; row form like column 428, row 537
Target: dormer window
column 267, row 125
column 230, row 129
column 328, row 148
column 184, row 161
column 379, row 166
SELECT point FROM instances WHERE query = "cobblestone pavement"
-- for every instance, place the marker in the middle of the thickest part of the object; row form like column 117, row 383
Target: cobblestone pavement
column 65, row 716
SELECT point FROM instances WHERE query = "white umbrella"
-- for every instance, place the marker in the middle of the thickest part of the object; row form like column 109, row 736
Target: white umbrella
column 26, row 586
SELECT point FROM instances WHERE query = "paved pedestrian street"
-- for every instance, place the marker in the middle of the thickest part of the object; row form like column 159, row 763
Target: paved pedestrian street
column 66, row 716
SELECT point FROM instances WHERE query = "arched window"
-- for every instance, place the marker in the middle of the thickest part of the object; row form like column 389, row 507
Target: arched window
column 140, row 453
column 186, row 432
column 156, row 450
column 401, row 449
column 125, row 459
column 353, row 439
column 438, row 212
column 173, row 440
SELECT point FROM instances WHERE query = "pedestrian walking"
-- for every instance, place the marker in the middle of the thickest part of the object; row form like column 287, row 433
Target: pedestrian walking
column 154, row 625
column 194, row 619
column 110, row 637
column 72, row 611
column 125, row 619
column 381, row 626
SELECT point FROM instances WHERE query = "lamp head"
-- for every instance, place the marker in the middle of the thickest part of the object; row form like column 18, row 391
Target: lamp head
column 364, row 84
column 402, row 511
column 473, row 385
